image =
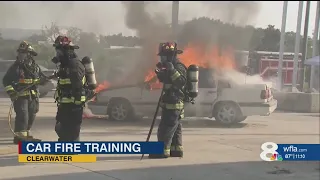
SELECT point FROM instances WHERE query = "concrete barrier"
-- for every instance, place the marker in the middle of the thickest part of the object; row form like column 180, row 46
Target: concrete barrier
column 298, row 102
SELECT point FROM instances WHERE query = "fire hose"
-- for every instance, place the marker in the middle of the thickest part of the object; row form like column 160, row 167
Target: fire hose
column 11, row 108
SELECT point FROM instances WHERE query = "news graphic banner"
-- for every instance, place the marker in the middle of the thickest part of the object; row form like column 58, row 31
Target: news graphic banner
column 290, row 152
column 82, row 151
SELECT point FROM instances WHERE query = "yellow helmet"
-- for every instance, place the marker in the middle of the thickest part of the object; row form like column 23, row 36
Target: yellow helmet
column 25, row 47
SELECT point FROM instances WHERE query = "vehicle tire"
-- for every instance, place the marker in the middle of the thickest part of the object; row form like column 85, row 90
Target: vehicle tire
column 120, row 110
column 241, row 118
column 43, row 94
column 228, row 113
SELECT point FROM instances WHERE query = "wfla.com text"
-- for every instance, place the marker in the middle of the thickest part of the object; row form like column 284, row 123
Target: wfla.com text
column 292, row 148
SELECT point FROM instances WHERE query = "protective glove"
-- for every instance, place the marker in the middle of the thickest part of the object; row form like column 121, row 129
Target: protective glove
column 169, row 66
column 90, row 94
column 13, row 95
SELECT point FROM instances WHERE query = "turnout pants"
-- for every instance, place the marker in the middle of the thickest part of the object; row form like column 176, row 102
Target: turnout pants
column 68, row 124
column 170, row 130
column 26, row 109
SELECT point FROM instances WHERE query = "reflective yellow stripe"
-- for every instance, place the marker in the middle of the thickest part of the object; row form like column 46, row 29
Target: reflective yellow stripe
column 36, row 81
column 21, row 133
column 26, row 93
column 179, row 148
column 71, row 100
column 172, row 106
column 175, row 75
column 68, row 81
column 66, row 100
column 9, row 88
column 84, row 79
column 64, row 81
column 28, row 81
column 167, row 86
column 166, row 151
column 182, row 114
column 176, row 148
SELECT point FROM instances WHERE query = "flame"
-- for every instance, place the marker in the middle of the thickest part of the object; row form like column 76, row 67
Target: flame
column 215, row 57
column 102, row 86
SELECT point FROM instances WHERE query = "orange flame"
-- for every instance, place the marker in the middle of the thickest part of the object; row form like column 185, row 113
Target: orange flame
column 102, row 86
column 213, row 58
column 216, row 58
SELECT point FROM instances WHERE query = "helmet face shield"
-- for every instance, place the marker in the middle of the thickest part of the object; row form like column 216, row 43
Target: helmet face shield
column 163, row 59
column 59, row 52
column 22, row 56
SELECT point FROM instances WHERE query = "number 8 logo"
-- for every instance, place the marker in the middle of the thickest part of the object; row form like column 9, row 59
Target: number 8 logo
column 268, row 148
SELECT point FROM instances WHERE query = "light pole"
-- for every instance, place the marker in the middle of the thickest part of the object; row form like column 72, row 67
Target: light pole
column 283, row 32
column 305, row 45
column 175, row 19
column 315, row 45
column 297, row 47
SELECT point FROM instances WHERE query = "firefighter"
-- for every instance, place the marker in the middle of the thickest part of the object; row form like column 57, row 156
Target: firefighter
column 172, row 73
column 21, row 74
column 70, row 93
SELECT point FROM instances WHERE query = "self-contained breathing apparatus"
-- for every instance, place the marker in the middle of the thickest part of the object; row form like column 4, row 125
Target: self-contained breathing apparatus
column 91, row 82
column 191, row 89
column 90, row 73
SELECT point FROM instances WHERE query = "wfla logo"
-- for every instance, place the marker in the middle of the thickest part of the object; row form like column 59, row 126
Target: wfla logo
column 269, row 152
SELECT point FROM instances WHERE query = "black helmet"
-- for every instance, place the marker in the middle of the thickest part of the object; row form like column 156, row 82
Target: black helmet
column 168, row 48
column 64, row 42
column 25, row 47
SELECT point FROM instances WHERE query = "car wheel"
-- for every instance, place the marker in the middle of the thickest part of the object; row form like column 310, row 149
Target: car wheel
column 241, row 118
column 227, row 113
column 43, row 94
column 120, row 110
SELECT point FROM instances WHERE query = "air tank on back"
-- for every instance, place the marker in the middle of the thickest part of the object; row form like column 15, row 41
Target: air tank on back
column 90, row 73
column 193, row 80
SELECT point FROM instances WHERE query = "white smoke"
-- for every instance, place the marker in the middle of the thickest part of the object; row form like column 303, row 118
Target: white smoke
column 238, row 78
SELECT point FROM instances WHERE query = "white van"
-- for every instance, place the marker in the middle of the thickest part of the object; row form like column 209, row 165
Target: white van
column 230, row 103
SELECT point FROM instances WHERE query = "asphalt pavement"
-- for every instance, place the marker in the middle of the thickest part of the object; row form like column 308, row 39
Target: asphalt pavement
column 211, row 151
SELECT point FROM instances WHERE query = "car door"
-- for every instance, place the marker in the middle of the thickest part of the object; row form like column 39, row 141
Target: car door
column 207, row 95
column 149, row 99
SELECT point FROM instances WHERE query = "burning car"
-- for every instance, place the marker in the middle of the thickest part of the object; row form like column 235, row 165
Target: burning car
column 228, row 101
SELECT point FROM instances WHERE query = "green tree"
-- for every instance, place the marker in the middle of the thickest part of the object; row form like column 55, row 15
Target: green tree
column 74, row 34
column 51, row 32
column 271, row 39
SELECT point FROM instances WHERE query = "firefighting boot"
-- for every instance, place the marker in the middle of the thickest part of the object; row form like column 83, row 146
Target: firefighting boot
column 176, row 151
column 20, row 136
column 158, row 156
column 18, row 139
column 31, row 138
column 176, row 154
column 166, row 154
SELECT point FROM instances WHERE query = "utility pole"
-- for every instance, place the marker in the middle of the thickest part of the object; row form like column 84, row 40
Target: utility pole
column 283, row 32
column 315, row 45
column 297, row 47
column 175, row 19
column 304, row 47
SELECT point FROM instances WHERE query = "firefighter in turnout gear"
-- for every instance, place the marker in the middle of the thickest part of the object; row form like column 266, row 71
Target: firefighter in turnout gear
column 172, row 73
column 22, row 74
column 70, row 93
